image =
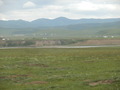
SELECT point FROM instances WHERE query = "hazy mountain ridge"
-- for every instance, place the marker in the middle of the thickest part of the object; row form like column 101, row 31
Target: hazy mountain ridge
column 61, row 27
column 61, row 21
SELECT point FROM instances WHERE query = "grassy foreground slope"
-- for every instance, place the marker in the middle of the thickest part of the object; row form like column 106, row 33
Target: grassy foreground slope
column 60, row 69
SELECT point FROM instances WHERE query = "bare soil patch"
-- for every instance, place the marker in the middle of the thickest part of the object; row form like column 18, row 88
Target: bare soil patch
column 100, row 42
column 101, row 82
column 2, row 77
column 15, row 76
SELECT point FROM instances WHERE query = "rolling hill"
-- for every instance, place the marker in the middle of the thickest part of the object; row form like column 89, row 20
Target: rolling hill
column 61, row 27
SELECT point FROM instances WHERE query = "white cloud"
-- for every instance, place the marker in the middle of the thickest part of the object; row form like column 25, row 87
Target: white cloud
column 29, row 4
column 106, row 1
column 83, row 6
column 2, row 17
column 89, row 6
column 66, row 8
column 1, row 2
column 53, row 11
column 53, row 8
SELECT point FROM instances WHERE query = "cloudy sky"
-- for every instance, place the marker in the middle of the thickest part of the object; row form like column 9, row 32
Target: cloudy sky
column 75, row 9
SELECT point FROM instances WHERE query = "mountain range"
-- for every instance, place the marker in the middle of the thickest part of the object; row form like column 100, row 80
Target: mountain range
column 61, row 27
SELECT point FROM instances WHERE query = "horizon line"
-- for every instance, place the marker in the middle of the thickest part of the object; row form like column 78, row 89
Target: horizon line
column 57, row 18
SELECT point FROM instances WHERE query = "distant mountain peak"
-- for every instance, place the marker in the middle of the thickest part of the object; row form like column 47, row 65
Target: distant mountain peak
column 60, row 18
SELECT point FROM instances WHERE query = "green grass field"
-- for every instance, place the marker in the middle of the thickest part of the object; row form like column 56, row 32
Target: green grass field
column 60, row 69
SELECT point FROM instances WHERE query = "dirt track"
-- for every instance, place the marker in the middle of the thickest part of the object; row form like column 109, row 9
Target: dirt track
column 63, row 46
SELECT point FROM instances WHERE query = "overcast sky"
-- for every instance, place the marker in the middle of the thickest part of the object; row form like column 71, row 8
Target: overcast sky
column 75, row 9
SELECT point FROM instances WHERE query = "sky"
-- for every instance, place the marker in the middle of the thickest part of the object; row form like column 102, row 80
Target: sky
column 74, row 9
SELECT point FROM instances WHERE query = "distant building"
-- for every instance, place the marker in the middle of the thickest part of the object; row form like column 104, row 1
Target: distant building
column 2, row 39
column 105, row 36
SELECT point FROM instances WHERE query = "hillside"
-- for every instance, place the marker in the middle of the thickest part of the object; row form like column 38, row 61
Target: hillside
column 61, row 28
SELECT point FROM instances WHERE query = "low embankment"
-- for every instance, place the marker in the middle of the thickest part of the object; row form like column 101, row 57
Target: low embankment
column 61, row 42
